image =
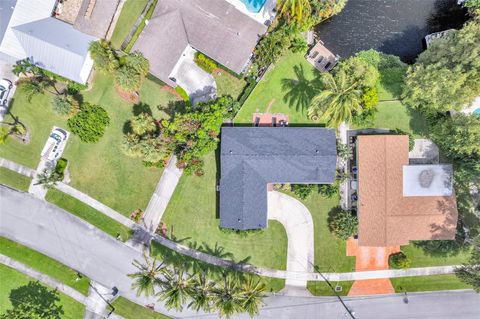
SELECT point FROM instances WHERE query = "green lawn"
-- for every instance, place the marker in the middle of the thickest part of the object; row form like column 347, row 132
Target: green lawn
column 100, row 169
column 191, row 214
column 11, row 279
column 421, row 259
column 87, row 213
column 130, row 310
column 227, row 84
column 428, row 283
column 13, row 179
column 130, row 12
column 321, row 288
column 44, row 264
column 293, row 70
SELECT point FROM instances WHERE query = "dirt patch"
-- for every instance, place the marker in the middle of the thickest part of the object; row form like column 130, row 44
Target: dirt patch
column 132, row 97
column 269, row 106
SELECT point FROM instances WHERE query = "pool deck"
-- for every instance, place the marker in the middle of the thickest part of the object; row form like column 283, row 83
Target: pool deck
column 264, row 16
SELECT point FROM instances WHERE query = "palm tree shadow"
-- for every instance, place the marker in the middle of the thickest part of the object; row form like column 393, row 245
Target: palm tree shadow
column 300, row 91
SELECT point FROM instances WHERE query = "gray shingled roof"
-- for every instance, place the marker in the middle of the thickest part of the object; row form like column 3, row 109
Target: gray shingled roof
column 214, row 27
column 251, row 157
column 98, row 23
column 55, row 46
column 6, row 11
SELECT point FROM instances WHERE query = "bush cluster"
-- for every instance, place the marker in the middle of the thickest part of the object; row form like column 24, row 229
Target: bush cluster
column 89, row 123
column 207, row 64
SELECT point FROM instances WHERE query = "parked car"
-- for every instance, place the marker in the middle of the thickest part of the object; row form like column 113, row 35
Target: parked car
column 5, row 87
column 55, row 144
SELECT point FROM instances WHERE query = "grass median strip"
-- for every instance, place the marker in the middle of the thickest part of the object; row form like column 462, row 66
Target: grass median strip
column 90, row 215
column 428, row 283
column 14, row 180
column 16, row 287
column 130, row 310
column 44, row 264
column 321, row 288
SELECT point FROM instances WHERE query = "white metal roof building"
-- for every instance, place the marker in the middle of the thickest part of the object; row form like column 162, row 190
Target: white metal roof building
column 52, row 44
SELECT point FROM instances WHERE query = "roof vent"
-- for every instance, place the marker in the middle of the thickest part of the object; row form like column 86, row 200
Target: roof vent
column 239, row 220
column 231, row 152
column 317, row 151
column 425, row 178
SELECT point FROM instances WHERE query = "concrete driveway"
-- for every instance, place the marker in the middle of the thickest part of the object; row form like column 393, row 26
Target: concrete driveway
column 6, row 73
column 200, row 85
column 298, row 223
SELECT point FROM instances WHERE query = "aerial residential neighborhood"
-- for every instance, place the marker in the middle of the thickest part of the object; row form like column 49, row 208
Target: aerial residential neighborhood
column 239, row 159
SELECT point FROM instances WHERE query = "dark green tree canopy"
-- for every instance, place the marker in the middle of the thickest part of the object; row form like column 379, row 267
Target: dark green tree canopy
column 447, row 75
column 89, row 123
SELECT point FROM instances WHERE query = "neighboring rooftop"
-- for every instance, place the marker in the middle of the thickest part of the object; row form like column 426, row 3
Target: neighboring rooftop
column 95, row 17
column 213, row 27
column 252, row 157
column 398, row 202
column 6, row 11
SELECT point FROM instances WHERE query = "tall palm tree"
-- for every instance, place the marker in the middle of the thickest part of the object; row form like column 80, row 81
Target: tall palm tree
column 228, row 298
column 175, row 288
column 201, row 292
column 38, row 85
column 253, row 289
column 148, row 276
column 48, row 179
column 298, row 10
column 143, row 123
column 338, row 101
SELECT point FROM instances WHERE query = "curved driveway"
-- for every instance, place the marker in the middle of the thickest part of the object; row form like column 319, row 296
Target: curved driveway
column 298, row 223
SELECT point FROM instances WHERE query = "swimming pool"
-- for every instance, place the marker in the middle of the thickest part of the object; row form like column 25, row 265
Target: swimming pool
column 477, row 112
column 254, row 5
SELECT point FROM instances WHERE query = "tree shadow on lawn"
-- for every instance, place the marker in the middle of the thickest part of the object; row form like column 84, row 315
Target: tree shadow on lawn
column 300, row 91
column 36, row 298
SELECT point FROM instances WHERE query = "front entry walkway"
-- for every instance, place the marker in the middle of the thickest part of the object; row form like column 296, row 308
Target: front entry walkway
column 370, row 258
column 298, row 223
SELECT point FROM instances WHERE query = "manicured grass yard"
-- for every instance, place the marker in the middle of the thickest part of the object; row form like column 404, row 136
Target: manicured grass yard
column 13, row 179
column 130, row 12
column 43, row 264
column 12, row 279
column 130, row 310
column 428, row 283
column 292, row 67
column 87, row 213
column 321, row 288
column 191, row 214
column 421, row 259
column 100, row 169
column 227, row 84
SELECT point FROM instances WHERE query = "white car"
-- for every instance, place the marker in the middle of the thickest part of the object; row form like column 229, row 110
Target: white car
column 5, row 87
column 55, row 144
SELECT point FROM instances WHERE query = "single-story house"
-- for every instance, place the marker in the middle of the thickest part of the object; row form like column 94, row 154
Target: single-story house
column 398, row 202
column 30, row 30
column 214, row 27
column 252, row 157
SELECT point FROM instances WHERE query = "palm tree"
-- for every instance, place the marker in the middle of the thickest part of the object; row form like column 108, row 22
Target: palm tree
column 253, row 292
column 175, row 288
column 339, row 100
column 38, row 85
column 143, row 123
column 299, row 10
column 201, row 292
column 103, row 56
column 48, row 179
column 147, row 278
column 228, row 298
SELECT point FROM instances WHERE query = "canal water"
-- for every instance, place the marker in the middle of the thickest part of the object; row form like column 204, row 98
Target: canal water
column 391, row 26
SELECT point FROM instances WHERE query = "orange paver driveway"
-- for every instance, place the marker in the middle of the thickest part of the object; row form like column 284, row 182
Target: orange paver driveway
column 370, row 258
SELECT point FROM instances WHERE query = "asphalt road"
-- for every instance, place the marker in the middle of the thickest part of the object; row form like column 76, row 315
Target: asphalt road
column 62, row 236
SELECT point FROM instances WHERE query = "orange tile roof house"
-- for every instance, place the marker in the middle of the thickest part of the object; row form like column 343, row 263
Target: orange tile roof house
column 398, row 202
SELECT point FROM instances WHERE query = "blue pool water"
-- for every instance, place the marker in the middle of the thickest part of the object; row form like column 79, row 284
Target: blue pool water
column 254, row 5
column 477, row 112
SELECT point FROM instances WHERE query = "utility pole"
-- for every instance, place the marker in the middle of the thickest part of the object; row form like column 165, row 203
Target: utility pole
column 335, row 292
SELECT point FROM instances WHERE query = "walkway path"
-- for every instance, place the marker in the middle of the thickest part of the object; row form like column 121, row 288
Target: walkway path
column 298, row 223
column 160, row 198
column 95, row 204
column 23, row 170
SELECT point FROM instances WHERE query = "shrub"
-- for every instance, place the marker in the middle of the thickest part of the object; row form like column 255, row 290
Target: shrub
column 61, row 166
column 328, row 190
column 184, row 95
column 370, row 98
column 302, row 190
column 64, row 104
column 204, row 62
column 399, row 261
column 343, row 224
column 89, row 123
